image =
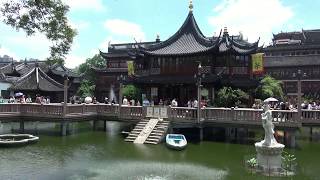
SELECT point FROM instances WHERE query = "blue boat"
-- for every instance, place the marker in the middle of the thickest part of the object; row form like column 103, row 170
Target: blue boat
column 176, row 141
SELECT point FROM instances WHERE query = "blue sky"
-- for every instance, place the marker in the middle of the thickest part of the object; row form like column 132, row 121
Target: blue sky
column 117, row 21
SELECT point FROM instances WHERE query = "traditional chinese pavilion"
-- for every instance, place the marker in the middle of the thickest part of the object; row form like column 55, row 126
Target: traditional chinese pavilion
column 37, row 77
column 168, row 69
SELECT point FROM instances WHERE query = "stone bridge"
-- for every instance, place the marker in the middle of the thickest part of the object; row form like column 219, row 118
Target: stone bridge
column 177, row 115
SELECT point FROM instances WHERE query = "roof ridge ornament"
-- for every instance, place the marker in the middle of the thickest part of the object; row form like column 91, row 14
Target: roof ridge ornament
column 225, row 31
column 190, row 6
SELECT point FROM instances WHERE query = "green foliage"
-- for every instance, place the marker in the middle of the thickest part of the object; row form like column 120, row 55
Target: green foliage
column 86, row 89
column 288, row 161
column 227, row 97
column 310, row 98
column 48, row 17
column 269, row 87
column 88, row 85
column 86, row 68
column 252, row 163
column 55, row 61
column 131, row 92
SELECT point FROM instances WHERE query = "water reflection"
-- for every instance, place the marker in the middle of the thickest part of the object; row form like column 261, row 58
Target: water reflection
column 144, row 171
column 1, row 128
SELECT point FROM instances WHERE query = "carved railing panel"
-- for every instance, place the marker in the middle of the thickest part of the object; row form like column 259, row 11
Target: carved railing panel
column 182, row 114
column 285, row 116
column 108, row 109
column 77, row 108
column 131, row 112
column 10, row 107
column 310, row 116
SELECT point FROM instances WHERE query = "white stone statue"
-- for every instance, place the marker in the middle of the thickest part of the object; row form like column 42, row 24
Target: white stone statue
column 268, row 126
column 269, row 150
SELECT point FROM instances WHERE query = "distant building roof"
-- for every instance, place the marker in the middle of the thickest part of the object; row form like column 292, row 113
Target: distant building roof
column 21, row 68
column 121, row 50
column 303, row 37
column 36, row 79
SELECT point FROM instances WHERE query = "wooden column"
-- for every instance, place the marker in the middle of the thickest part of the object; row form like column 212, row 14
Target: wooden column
column 65, row 96
column 299, row 98
column 120, row 99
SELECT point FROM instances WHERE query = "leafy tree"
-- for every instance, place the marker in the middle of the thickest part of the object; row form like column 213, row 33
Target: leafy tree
column 132, row 92
column 269, row 87
column 228, row 97
column 89, row 74
column 87, row 68
column 86, row 89
column 44, row 16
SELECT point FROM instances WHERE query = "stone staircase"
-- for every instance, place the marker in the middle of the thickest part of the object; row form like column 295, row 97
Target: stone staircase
column 153, row 137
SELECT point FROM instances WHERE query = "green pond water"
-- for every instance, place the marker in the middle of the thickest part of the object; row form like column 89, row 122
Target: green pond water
column 87, row 154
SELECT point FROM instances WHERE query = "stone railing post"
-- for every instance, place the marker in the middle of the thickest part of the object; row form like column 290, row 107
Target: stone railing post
column 232, row 114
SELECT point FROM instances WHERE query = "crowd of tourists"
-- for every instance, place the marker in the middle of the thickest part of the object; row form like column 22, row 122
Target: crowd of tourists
column 290, row 106
column 27, row 99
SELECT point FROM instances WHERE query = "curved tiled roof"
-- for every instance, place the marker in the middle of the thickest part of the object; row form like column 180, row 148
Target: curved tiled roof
column 227, row 43
column 36, row 79
column 187, row 40
column 190, row 40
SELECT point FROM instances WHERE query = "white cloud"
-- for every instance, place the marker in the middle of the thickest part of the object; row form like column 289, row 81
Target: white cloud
column 254, row 18
column 73, row 61
column 96, row 5
column 6, row 51
column 109, row 40
column 80, row 25
column 125, row 28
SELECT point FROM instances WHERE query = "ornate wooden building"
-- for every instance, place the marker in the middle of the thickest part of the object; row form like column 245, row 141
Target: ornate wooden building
column 291, row 51
column 168, row 69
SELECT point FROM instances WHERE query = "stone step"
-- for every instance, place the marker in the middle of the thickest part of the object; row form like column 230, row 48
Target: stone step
column 150, row 142
column 142, row 122
column 156, row 133
column 155, row 136
column 153, row 139
column 129, row 140
column 160, row 128
column 140, row 125
column 131, row 137
column 134, row 134
column 167, row 123
column 136, row 131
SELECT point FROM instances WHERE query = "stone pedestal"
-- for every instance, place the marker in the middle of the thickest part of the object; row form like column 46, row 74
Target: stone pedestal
column 269, row 157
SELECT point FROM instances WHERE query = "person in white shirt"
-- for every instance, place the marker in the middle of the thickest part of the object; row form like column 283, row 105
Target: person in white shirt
column 195, row 103
column 132, row 102
column 189, row 104
column 174, row 103
column 125, row 101
column 145, row 102
column 28, row 100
